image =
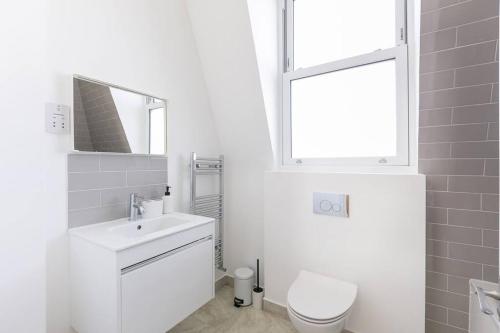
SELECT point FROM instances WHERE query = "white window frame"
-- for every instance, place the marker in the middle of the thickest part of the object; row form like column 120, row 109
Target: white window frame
column 399, row 53
column 153, row 104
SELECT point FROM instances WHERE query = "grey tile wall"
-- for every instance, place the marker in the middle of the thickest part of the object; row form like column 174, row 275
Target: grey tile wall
column 458, row 151
column 99, row 185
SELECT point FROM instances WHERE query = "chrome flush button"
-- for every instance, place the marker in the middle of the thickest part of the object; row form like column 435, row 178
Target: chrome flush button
column 331, row 204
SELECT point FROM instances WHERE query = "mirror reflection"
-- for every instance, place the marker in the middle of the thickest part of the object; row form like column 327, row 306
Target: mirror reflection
column 108, row 118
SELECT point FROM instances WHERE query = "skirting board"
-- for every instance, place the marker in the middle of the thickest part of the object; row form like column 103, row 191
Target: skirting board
column 277, row 309
column 226, row 280
column 268, row 306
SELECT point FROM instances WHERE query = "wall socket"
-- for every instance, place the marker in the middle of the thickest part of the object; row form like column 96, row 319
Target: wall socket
column 331, row 204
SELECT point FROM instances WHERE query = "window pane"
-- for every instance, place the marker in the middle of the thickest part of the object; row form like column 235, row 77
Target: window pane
column 157, row 131
column 328, row 30
column 347, row 113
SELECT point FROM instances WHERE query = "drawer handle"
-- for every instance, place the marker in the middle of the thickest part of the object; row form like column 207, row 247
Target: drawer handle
column 161, row 256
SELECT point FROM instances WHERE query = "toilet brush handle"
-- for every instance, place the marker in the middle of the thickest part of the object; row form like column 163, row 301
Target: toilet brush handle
column 258, row 275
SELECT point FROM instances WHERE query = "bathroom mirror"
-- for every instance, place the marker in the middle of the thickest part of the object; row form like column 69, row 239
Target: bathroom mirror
column 109, row 118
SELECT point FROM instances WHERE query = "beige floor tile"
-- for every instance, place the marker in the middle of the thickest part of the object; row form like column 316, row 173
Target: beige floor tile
column 220, row 316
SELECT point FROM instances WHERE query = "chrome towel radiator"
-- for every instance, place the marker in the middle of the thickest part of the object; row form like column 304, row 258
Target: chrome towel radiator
column 210, row 205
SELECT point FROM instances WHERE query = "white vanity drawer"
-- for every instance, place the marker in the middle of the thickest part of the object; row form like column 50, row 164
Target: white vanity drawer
column 131, row 256
column 157, row 296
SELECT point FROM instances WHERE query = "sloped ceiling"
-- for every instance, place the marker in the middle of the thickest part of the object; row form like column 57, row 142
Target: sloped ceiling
column 223, row 34
column 239, row 95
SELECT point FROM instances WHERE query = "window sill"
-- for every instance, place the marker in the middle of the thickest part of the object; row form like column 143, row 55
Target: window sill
column 382, row 170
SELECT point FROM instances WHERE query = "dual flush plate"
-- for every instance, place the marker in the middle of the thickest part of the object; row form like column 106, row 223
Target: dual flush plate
column 331, row 204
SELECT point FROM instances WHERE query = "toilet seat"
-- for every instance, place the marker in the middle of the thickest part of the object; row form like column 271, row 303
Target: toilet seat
column 319, row 299
column 317, row 322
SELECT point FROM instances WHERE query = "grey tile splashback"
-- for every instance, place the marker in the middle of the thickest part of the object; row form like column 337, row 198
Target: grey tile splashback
column 454, row 133
column 439, row 40
column 456, row 97
column 438, row 297
column 435, row 312
column 96, row 180
column 428, row 5
column 458, row 151
column 458, row 319
column 480, row 74
column 463, row 12
column 439, row 80
column 465, row 269
column 99, row 185
column 478, row 32
column 459, row 57
column 471, row 219
column 479, row 149
column 457, row 285
column 475, row 113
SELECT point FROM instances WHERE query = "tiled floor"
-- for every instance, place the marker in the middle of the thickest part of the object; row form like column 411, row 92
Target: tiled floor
column 220, row 316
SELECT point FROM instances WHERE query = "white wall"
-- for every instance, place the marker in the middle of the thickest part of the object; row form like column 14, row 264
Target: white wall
column 265, row 23
column 22, row 167
column 380, row 247
column 146, row 45
column 224, row 38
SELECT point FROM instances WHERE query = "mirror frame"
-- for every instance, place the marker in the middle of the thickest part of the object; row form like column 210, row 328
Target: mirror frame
column 112, row 85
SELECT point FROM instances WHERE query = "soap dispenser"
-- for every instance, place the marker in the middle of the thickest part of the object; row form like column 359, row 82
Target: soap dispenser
column 167, row 201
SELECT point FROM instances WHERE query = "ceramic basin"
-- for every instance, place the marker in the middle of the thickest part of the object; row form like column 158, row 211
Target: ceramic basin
column 141, row 228
column 120, row 234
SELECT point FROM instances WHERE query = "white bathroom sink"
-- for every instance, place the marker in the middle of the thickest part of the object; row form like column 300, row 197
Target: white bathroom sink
column 121, row 234
column 141, row 276
column 141, row 228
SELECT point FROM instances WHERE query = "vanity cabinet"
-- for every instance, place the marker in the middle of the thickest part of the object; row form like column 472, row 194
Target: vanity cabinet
column 146, row 288
column 159, row 295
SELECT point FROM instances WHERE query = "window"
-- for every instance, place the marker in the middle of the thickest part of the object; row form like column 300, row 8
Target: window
column 345, row 83
column 157, row 126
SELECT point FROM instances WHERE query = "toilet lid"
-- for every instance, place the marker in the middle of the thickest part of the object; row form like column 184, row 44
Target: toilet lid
column 319, row 297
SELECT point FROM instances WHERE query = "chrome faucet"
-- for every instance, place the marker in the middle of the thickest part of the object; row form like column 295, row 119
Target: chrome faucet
column 136, row 208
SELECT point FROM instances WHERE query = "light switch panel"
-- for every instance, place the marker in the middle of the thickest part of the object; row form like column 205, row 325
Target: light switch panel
column 56, row 118
column 331, row 204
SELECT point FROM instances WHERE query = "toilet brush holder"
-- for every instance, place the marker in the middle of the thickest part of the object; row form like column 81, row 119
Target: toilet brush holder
column 257, row 297
column 258, row 292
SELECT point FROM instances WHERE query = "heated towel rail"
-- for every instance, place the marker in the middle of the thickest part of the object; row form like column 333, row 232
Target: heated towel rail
column 210, row 205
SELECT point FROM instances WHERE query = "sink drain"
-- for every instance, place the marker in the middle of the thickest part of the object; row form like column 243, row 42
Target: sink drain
column 139, row 227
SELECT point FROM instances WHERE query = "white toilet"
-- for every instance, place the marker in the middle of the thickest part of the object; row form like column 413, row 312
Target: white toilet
column 320, row 304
